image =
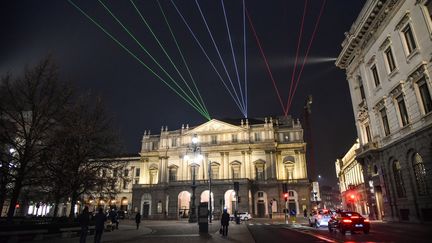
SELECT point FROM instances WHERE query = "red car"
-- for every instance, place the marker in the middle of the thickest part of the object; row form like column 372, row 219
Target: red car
column 349, row 221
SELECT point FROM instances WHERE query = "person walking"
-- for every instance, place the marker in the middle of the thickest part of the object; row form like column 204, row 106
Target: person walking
column 100, row 219
column 84, row 220
column 138, row 219
column 225, row 222
column 305, row 213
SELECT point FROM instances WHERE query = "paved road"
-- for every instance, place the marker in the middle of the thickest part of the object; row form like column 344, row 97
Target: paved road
column 265, row 232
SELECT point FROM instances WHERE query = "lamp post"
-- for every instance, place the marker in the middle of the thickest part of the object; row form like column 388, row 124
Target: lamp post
column 197, row 157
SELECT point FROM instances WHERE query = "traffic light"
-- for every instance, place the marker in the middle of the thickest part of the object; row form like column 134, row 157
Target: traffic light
column 286, row 196
column 351, row 197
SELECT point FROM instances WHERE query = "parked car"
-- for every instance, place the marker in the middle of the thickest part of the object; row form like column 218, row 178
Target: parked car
column 245, row 216
column 349, row 221
column 319, row 218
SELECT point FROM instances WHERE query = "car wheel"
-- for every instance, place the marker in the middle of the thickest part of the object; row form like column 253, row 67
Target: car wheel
column 317, row 225
column 343, row 231
column 330, row 229
column 366, row 231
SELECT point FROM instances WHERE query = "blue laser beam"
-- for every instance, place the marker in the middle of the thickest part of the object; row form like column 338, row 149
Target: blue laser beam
column 217, row 48
column 244, row 53
column 207, row 56
column 232, row 52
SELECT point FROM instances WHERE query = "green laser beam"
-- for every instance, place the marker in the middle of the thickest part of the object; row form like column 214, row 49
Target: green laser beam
column 202, row 105
column 133, row 55
column 181, row 53
column 145, row 50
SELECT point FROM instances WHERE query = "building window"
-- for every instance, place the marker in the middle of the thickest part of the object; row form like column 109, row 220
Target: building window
column 137, row 172
column 172, row 174
column 285, row 137
column 361, row 88
column 384, row 121
column 125, row 184
column 425, row 95
column 409, row 39
column 257, row 136
column 398, row 179
column 259, row 169
column 136, row 181
column 390, row 59
column 235, row 167
column 174, row 142
column 375, row 75
column 260, row 194
column 126, row 173
column 213, row 139
column 420, row 175
column 215, row 171
column 115, row 173
column 368, row 133
column 104, row 173
column 290, row 193
column 234, row 138
column 402, row 110
column 153, row 176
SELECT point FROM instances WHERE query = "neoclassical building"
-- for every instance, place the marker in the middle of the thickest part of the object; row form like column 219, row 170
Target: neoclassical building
column 260, row 154
column 387, row 58
column 351, row 182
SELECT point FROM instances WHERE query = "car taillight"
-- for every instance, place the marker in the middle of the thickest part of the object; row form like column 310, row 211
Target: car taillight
column 366, row 220
column 347, row 221
column 354, row 217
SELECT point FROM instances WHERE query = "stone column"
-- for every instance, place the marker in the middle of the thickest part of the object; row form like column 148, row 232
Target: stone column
column 272, row 165
column 160, row 170
column 243, row 166
column 222, row 169
column 227, row 174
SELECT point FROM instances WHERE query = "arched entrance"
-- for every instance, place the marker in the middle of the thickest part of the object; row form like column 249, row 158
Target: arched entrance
column 124, row 204
column 205, row 198
column 146, row 205
column 229, row 201
column 293, row 202
column 183, row 204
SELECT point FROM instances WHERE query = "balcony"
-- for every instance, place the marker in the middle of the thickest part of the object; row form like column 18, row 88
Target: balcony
column 367, row 147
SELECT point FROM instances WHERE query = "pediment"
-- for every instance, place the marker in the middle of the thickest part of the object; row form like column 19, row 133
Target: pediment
column 215, row 126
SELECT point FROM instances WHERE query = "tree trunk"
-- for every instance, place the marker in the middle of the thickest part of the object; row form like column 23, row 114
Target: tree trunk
column 73, row 202
column 2, row 196
column 56, row 206
column 14, row 199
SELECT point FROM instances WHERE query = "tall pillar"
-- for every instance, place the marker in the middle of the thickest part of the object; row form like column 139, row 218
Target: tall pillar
column 222, row 169
column 243, row 166
column 160, row 170
column 272, row 165
column 227, row 175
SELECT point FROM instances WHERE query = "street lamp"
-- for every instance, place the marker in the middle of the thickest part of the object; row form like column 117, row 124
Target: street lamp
column 194, row 161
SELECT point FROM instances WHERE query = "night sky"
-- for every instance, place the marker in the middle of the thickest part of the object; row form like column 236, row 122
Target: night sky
column 32, row 29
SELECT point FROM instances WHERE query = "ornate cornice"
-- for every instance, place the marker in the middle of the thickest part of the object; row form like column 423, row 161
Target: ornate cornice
column 360, row 35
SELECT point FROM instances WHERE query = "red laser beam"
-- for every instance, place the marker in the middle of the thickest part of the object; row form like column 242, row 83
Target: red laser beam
column 296, row 57
column 307, row 53
column 265, row 60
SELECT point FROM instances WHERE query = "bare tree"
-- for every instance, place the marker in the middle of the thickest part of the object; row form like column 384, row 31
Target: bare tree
column 86, row 135
column 30, row 106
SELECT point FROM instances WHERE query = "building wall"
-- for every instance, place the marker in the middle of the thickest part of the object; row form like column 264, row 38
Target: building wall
column 261, row 155
column 388, row 157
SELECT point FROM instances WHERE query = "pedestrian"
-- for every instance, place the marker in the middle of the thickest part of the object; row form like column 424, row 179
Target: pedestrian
column 100, row 219
column 305, row 213
column 84, row 220
column 138, row 219
column 225, row 222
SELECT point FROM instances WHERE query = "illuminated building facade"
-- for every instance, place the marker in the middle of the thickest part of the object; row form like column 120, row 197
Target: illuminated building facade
column 387, row 58
column 352, row 186
column 260, row 154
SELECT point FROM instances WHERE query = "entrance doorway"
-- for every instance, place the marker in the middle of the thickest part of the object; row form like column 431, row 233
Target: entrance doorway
column 261, row 208
column 145, row 210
